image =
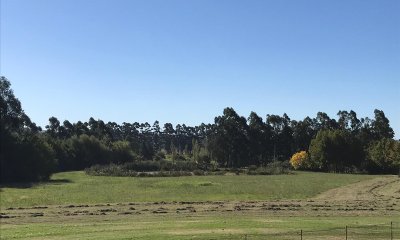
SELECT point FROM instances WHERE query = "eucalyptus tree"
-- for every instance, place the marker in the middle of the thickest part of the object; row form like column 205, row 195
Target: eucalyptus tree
column 24, row 155
column 282, row 136
column 303, row 132
column 323, row 121
column 348, row 121
column 229, row 143
column 380, row 126
column 259, row 140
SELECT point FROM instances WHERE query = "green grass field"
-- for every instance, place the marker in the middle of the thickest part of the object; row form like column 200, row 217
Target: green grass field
column 76, row 206
column 224, row 226
column 79, row 188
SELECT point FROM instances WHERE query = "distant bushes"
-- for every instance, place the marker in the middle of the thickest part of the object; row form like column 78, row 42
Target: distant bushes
column 339, row 151
column 109, row 170
column 274, row 168
column 145, row 169
column 180, row 168
column 162, row 165
column 125, row 170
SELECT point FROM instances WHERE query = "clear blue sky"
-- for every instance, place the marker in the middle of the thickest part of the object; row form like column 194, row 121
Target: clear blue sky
column 184, row 61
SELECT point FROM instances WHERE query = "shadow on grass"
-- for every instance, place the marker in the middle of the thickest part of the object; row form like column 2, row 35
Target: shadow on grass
column 34, row 184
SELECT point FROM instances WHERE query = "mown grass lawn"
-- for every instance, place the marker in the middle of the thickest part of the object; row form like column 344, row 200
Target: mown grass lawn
column 221, row 226
column 79, row 188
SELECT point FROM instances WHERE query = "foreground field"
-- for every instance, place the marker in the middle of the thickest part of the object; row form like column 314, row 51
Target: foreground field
column 78, row 188
column 211, row 226
column 217, row 207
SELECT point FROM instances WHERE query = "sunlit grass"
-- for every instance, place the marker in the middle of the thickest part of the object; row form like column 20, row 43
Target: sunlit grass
column 221, row 226
column 79, row 188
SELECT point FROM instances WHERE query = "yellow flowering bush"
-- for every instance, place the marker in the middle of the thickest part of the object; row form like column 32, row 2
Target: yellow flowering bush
column 299, row 160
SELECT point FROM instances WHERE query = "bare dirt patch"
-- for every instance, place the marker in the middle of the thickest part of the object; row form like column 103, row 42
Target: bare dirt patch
column 381, row 188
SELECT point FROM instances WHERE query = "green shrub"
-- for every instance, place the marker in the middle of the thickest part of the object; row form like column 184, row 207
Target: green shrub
column 166, row 165
column 122, row 152
column 160, row 155
column 384, row 156
column 274, row 168
column 142, row 166
column 219, row 173
column 185, row 166
column 252, row 167
column 198, row 172
column 142, row 174
column 180, row 173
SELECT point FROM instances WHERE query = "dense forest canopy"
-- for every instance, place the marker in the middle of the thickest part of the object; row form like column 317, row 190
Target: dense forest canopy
column 347, row 143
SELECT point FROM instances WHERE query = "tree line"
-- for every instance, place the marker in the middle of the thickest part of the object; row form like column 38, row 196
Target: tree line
column 29, row 152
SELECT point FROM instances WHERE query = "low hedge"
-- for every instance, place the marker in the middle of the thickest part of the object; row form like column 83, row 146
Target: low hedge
column 168, row 169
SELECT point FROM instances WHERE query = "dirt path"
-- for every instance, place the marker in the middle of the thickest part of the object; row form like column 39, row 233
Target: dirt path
column 378, row 189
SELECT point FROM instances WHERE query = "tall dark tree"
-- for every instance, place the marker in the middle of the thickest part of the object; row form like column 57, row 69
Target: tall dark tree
column 335, row 150
column 156, row 133
column 24, row 155
column 348, row 121
column 380, row 126
column 53, row 129
column 81, row 128
column 282, row 136
column 168, row 136
column 13, row 118
column 229, row 142
column 365, row 134
column 303, row 133
column 68, row 129
column 259, row 140
column 323, row 121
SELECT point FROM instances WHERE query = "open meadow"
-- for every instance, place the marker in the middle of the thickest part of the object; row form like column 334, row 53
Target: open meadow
column 79, row 188
column 76, row 206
